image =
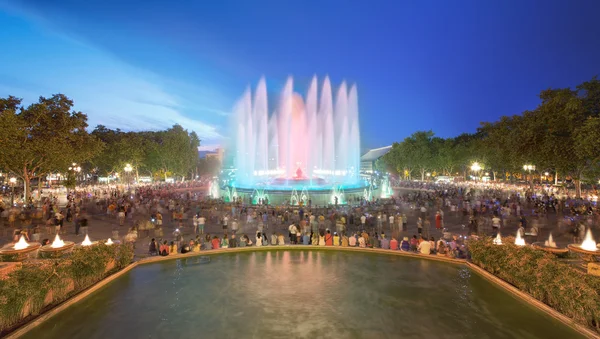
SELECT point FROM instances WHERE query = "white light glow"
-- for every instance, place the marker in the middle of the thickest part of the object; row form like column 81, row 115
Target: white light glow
column 550, row 242
column 57, row 243
column 518, row 240
column 498, row 240
column 21, row 244
column 86, row 241
column 109, row 242
column 588, row 243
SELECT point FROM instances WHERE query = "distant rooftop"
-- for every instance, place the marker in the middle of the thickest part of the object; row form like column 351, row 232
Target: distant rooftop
column 375, row 153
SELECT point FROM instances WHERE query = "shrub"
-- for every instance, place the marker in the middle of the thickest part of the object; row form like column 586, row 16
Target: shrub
column 26, row 289
column 540, row 274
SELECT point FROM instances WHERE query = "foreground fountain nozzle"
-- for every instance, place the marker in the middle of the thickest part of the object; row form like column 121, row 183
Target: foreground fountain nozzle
column 588, row 243
column 550, row 242
column 58, row 242
column 86, row 241
column 21, row 244
column 519, row 241
column 498, row 240
column 109, row 242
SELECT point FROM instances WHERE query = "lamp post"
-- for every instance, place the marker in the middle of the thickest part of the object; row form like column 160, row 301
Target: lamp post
column 428, row 175
column 12, row 181
column 529, row 168
column 546, row 174
column 128, row 170
column 476, row 168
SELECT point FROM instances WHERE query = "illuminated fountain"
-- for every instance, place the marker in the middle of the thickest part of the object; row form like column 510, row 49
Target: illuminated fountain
column 588, row 249
column 19, row 251
column 307, row 144
column 498, row 239
column 213, row 190
column 109, row 242
column 87, row 242
column 519, row 241
column 57, row 248
column 550, row 246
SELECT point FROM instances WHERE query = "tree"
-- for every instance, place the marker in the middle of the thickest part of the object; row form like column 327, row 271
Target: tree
column 44, row 137
column 174, row 150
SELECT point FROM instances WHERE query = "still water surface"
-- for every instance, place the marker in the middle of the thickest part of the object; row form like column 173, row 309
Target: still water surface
column 301, row 294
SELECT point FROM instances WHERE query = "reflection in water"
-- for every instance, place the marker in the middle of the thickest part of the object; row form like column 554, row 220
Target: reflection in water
column 301, row 294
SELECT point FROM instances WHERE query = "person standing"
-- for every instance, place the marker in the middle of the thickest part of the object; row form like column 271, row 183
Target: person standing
column 201, row 222
column 438, row 220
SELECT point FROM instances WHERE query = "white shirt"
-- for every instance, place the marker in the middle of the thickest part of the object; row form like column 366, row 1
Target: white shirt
column 363, row 219
column 425, row 247
column 201, row 220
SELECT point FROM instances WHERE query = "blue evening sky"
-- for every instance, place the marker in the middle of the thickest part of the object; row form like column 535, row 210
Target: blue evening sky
column 441, row 65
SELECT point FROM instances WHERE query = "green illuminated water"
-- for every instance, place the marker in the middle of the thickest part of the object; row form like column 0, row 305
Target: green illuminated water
column 301, row 294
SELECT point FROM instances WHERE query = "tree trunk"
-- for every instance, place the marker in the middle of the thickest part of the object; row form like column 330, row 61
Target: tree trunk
column 422, row 174
column 26, row 181
column 494, row 175
column 578, row 188
column 556, row 178
column 39, row 188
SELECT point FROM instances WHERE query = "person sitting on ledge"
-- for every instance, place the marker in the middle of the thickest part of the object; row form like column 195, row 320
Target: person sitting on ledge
column 243, row 242
column 233, row 242
column 172, row 248
column 225, row 241
column 314, row 239
column 441, row 247
column 306, row 239
column 362, row 242
column 432, row 244
column 215, row 242
column 374, row 241
column 424, row 247
column 259, row 239
column 207, row 242
column 405, row 245
column 152, row 248
column 164, row 249
column 394, row 244
column 336, row 239
column 414, row 243
column 321, row 238
column 280, row 240
column 345, row 241
column 273, row 239
column 185, row 249
column 385, row 243
column 352, row 241
column 195, row 245
column 328, row 238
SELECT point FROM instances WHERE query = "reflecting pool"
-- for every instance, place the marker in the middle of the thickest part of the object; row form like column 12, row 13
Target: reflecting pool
column 301, row 294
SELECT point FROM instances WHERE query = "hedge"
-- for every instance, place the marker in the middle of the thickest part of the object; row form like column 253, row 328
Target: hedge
column 39, row 284
column 543, row 276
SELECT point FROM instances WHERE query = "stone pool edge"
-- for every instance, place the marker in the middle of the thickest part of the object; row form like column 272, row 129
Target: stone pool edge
column 148, row 260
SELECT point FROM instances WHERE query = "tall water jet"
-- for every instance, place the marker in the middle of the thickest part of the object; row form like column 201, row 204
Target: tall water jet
column 260, row 124
column 311, row 117
column 327, row 131
column 341, row 130
column 354, row 137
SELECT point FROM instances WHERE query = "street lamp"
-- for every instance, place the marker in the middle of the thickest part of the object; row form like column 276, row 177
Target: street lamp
column 476, row 168
column 428, row 175
column 12, row 181
column 529, row 168
column 128, row 170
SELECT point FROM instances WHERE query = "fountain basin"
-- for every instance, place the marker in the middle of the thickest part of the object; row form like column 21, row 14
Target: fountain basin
column 549, row 249
column 586, row 255
column 9, row 253
column 50, row 252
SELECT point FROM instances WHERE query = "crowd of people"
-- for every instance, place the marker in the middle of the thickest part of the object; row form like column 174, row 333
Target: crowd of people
column 170, row 212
